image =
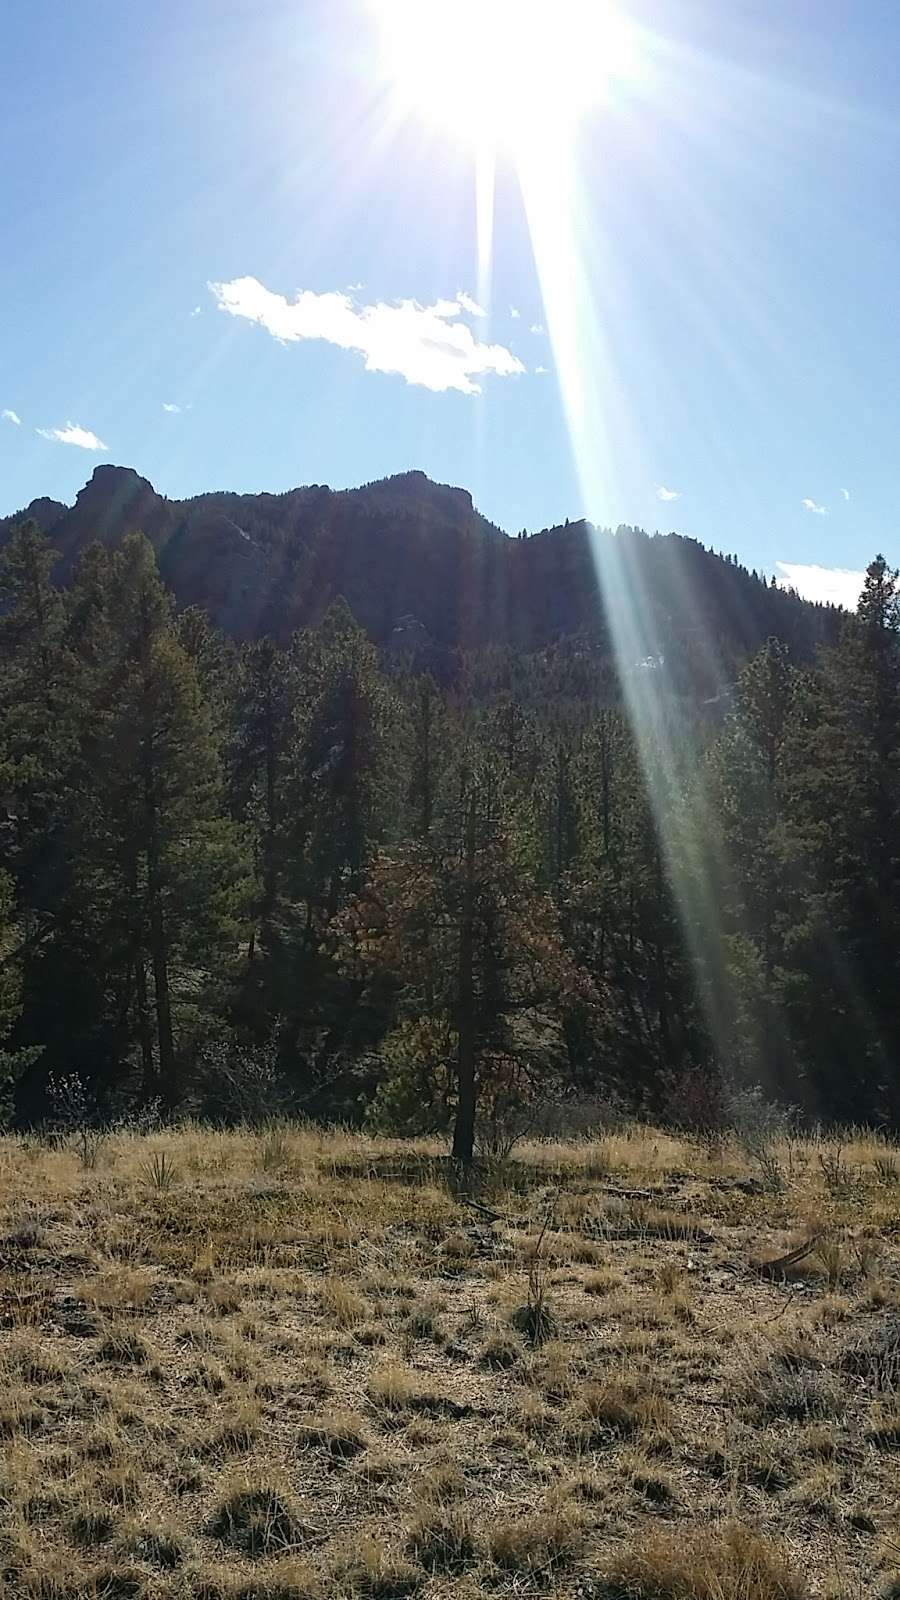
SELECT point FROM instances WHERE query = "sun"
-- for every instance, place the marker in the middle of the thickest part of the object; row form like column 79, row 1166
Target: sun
column 503, row 73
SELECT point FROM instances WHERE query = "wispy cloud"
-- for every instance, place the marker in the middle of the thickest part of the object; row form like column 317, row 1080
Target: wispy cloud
column 846, row 493
column 662, row 493
column 170, row 406
column 73, row 434
column 197, row 311
column 837, row 586
column 514, row 313
column 426, row 345
column 813, row 505
column 538, row 328
column 6, row 415
column 466, row 302
column 539, row 370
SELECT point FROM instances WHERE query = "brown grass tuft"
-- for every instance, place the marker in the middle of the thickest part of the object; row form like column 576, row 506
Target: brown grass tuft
column 727, row 1563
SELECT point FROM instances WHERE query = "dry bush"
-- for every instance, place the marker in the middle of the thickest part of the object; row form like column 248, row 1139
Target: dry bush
column 876, row 1355
column 773, row 1392
column 656, row 1222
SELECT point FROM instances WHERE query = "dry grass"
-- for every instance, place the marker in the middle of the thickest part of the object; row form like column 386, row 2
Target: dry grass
column 295, row 1365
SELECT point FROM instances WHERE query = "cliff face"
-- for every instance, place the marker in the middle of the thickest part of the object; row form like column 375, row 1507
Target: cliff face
column 415, row 560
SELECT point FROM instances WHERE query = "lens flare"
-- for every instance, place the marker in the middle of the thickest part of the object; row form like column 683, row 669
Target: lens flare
column 517, row 80
column 491, row 70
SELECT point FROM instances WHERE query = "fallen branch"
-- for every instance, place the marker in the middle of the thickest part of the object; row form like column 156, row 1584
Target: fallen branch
column 778, row 1267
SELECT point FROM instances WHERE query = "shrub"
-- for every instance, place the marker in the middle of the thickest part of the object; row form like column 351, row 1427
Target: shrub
column 237, row 1082
column 694, row 1101
column 416, row 1070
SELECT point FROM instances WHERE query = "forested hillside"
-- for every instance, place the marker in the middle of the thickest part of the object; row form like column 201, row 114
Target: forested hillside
column 244, row 877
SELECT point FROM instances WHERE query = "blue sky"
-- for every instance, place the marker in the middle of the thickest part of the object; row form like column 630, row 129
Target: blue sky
column 735, row 228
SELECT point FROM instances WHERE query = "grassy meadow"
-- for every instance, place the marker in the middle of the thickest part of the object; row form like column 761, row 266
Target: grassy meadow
column 293, row 1363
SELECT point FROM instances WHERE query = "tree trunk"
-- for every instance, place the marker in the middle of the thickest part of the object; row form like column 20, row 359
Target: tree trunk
column 464, row 1128
column 160, row 958
column 269, row 865
column 142, row 1014
column 145, row 1036
column 159, row 952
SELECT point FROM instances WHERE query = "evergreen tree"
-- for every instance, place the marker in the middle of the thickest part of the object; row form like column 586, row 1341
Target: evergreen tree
column 749, row 787
column 37, row 733
column 459, row 921
column 841, row 840
column 262, row 728
column 173, row 863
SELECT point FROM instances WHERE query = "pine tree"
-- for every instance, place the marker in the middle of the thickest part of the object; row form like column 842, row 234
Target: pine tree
column 37, row 734
column 12, row 1062
column 174, row 866
column 841, row 839
column 262, row 731
column 334, row 784
column 460, row 922
column 749, row 786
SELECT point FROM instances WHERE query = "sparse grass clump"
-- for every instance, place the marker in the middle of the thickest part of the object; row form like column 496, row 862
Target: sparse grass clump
column 537, row 1544
column 442, row 1540
column 729, row 1563
column 123, row 1346
column 340, row 1433
column 370, row 1570
column 500, row 1351
column 257, row 1520
column 342, row 1303
column 618, row 1408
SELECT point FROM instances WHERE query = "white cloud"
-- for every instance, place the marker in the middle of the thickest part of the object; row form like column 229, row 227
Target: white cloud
column 846, row 493
column 812, row 505
column 197, row 311
column 73, row 434
column 468, row 304
column 169, row 405
column 542, row 369
column 514, row 313
column 11, row 416
column 837, row 586
column 662, row 493
column 538, row 328
column 426, row 345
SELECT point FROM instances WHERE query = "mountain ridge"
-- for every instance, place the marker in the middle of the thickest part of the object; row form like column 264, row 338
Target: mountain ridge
column 404, row 549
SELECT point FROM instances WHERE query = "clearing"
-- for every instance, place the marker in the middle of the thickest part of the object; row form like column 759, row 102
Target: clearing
column 266, row 1366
